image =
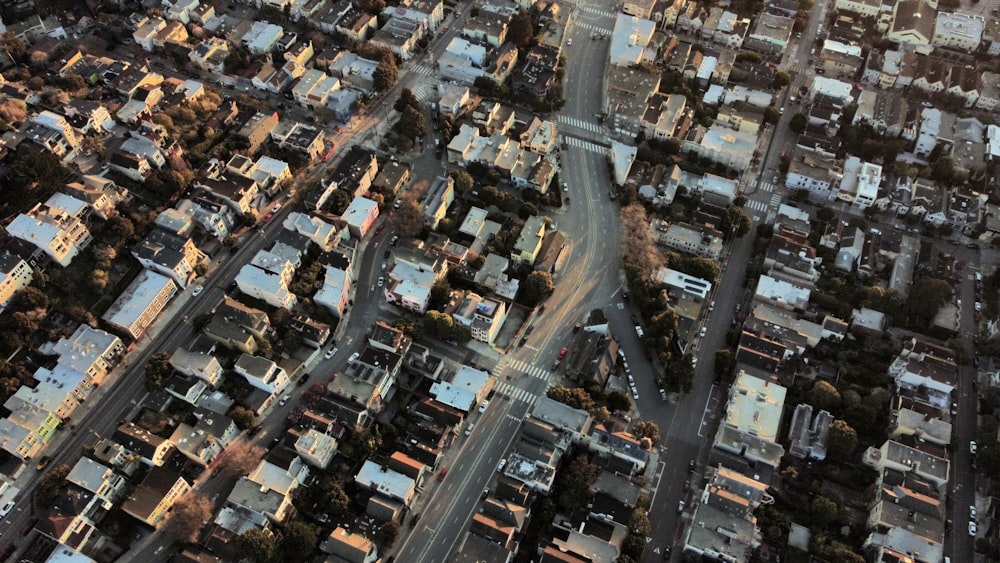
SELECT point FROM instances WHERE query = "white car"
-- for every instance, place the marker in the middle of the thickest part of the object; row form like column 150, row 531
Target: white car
column 329, row 353
column 972, row 529
column 501, row 465
column 702, row 332
column 197, row 290
column 680, row 506
column 354, row 357
column 482, row 407
column 381, row 281
column 972, row 512
column 972, row 447
column 284, row 400
column 635, row 394
column 276, row 208
column 469, row 429
column 638, row 331
column 6, row 509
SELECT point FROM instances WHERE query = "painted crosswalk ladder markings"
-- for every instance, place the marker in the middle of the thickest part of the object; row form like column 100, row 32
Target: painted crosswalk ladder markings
column 597, row 11
column 585, row 145
column 580, row 124
column 533, row 371
column 594, row 28
column 516, row 393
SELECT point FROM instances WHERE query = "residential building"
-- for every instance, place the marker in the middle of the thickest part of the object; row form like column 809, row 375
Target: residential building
column 267, row 278
column 100, row 193
column 205, row 367
column 693, row 239
column 336, row 289
column 154, row 450
column 151, row 500
column 412, row 277
column 350, row 547
column 720, row 144
column 956, row 30
column 912, row 25
column 53, row 228
column 140, row 304
column 723, row 524
column 630, row 40
column 107, row 485
column 210, row 55
column 262, row 37
column 360, row 216
column 27, row 428
column 314, row 447
column 88, row 351
column 529, row 243
column 387, row 483
column 169, row 255
column 482, row 316
column 203, row 437
column 256, row 130
column 237, row 326
column 808, row 434
column 860, row 182
column 866, row 8
column 261, row 373
column 314, row 333
column 281, row 470
column 438, row 199
column 753, row 417
column 15, row 275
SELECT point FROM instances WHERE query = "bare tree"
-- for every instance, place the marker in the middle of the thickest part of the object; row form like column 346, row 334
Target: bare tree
column 240, row 458
column 188, row 516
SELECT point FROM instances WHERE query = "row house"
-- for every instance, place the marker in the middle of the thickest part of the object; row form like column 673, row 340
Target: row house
column 15, row 275
column 170, row 255
column 267, row 278
column 55, row 227
column 100, row 193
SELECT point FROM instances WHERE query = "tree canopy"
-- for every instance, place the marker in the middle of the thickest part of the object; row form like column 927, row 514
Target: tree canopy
column 927, row 296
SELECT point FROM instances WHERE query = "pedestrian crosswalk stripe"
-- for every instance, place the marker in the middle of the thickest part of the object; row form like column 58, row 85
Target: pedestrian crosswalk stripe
column 597, row 11
column 756, row 205
column 586, row 145
column 516, row 393
column 594, row 28
column 580, row 124
column 423, row 70
column 767, row 186
column 533, row 371
column 775, row 199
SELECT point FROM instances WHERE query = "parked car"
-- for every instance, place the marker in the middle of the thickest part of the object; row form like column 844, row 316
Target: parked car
column 972, row 447
column 469, row 429
column 482, row 407
column 972, row 529
column 562, row 353
column 197, row 290
column 354, row 357
column 43, row 463
column 680, row 507
column 329, row 353
column 6, row 509
column 501, row 465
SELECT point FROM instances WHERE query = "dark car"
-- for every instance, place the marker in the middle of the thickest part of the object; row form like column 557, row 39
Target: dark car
column 691, row 465
column 625, row 297
column 972, row 245
column 303, row 379
column 522, row 342
column 43, row 463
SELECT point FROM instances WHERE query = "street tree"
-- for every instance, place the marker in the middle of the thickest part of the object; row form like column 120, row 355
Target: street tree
column 243, row 417
column 537, row 286
column 823, row 510
column 574, row 481
column 411, row 123
column 298, row 541
column 406, row 99
column 798, row 123
column 781, row 79
column 735, row 221
column 647, row 429
column 462, row 179
column 158, row 369
column 49, row 485
column 700, row 267
column 409, row 218
column 239, row 458
column 723, row 362
column 387, row 534
column 188, row 516
column 576, row 397
column 437, row 324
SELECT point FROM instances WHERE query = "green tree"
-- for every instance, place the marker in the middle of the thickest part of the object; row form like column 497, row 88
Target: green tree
column 520, row 29
column 927, row 296
column 49, row 486
column 781, row 79
column 527, row 210
column 463, row 180
column 824, row 396
column 439, row 325
column 158, row 369
column 842, row 440
column 257, row 544
column 771, row 115
column 798, row 123
column 406, row 99
column 823, row 510
column 700, row 267
column 117, row 230
column 409, row 218
column 735, row 221
column 387, row 534
column 537, row 286
column 411, row 123
column 574, row 481
column 723, row 362
column 34, row 177
column 647, row 429
column 29, row 299
column 298, row 541
column 243, row 417
column 576, row 397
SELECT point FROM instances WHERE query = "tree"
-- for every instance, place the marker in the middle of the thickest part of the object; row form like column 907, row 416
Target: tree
column 29, row 299
column 647, row 429
column 298, row 541
column 537, row 286
column 735, row 221
column 576, row 397
column 98, row 279
column 387, row 534
column 158, row 369
column 771, row 115
column 386, row 73
column 13, row 111
column 14, row 47
column 118, row 229
column 798, row 123
column 927, row 296
column 439, row 325
column 463, row 180
column 520, row 29
column 409, row 218
column 34, row 177
column 823, row 510
column 781, row 79
column 527, row 210
column 257, row 544
column 49, row 486
column 700, row 267
column 239, row 458
column 406, row 99
column 723, row 362
column 243, row 417
column 411, row 123
column 574, row 481
column 824, row 396
column 188, row 516
column 842, row 440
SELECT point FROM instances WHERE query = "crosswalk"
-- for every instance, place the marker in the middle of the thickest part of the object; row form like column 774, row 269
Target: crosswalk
column 764, row 206
column 585, row 145
column 598, row 11
column 424, row 92
column 593, row 28
column 516, row 393
column 766, row 187
column 580, row 124
column 528, row 369
column 423, row 70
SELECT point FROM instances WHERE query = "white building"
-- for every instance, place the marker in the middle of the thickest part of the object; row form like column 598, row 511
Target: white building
column 15, row 275
column 753, row 418
column 262, row 37
column 60, row 235
column 141, row 303
column 630, row 40
column 958, row 31
column 335, row 293
column 261, row 373
column 860, row 183
column 267, row 279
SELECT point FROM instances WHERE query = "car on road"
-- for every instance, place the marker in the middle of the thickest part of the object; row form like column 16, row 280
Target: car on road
column 711, row 306
column 276, row 208
column 197, row 290
column 284, row 400
column 522, row 342
column 6, row 509
column 329, row 353
column 562, row 352
column 303, row 379
column 638, row 331
column 691, row 465
column 43, row 463
column 501, row 465
column 972, row 447
column 381, row 281
column 482, row 407
column 972, row 245
column 569, row 42
column 663, row 394
column 972, row 512
column 972, row 529
column 703, row 331
column 694, row 361
column 469, row 429
column 354, row 357
column 680, row 507
column 635, row 393
column 394, row 240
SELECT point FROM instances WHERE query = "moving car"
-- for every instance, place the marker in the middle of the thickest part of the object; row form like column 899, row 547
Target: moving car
column 6, row 508
column 562, row 353
column 972, row 529
column 680, row 506
column 501, row 465
column 703, row 331
column 381, row 281
column 468, row 429
column 482, row 407
column 197, row 290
